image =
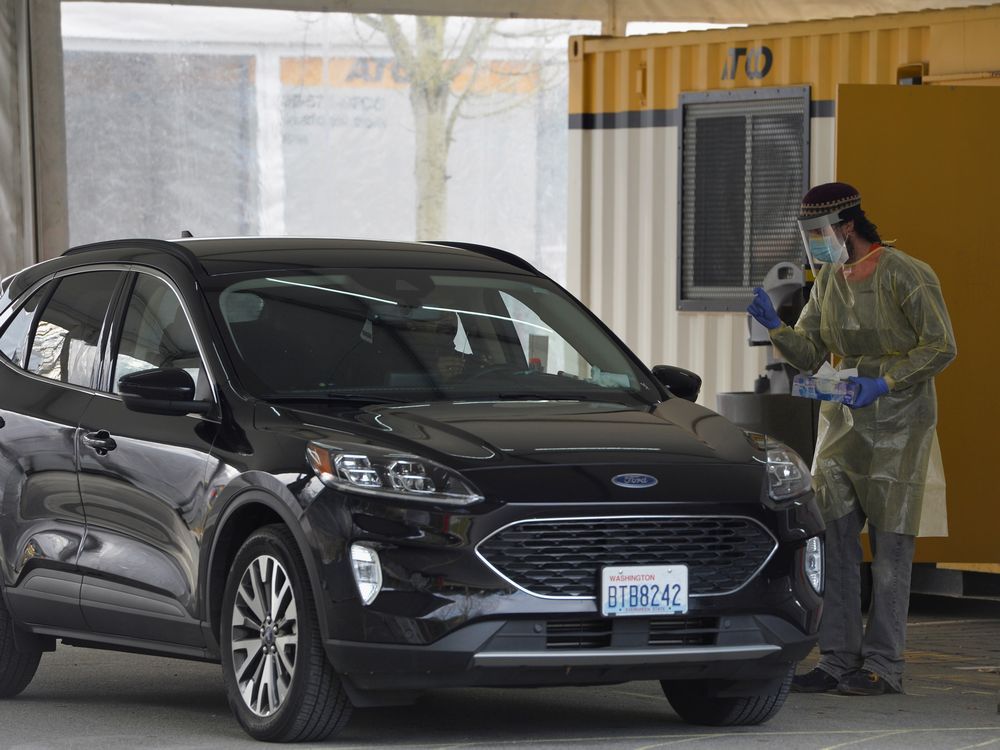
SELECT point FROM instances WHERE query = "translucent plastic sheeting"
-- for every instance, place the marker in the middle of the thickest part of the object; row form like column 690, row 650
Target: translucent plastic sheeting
column 721, row 11
column 236, row 121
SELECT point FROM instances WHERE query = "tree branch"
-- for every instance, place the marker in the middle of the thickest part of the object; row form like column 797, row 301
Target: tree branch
column 477, row 38
column 389, row 27
column 371, row 21
column 457, row 106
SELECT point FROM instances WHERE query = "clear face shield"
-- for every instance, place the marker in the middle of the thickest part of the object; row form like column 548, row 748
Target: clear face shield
column 823, row 240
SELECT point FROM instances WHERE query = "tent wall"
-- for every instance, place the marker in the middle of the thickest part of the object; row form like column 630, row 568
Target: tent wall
column 614, row 13
column 33, row 213
column 48, row 127
column 33, row 220
column 12, row 211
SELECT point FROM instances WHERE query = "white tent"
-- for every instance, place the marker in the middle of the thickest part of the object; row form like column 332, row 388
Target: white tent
column 33, row 213
column 614, row 13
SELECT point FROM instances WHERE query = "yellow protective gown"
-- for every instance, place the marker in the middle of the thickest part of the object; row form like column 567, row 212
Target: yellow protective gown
column 884, row 315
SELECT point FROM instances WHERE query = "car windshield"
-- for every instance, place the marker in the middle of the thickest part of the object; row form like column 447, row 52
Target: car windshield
column 362, row 335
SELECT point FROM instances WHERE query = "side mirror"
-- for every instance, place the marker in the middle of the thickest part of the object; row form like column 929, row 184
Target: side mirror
column 680, row 382
column 162, row 391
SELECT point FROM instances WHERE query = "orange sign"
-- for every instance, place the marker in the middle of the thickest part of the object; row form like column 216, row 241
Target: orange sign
column 506, row 76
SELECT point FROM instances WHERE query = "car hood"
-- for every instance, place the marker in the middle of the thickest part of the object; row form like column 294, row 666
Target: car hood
column 562, row 445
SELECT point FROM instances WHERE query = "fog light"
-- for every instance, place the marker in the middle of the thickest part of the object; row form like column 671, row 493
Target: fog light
column 812, row 563
column 367, row 572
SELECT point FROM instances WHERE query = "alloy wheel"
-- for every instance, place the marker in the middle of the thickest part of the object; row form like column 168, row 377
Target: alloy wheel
column 264, row 635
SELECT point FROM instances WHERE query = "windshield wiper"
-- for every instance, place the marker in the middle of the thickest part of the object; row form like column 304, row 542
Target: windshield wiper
column 354, row 398
column 540, row 397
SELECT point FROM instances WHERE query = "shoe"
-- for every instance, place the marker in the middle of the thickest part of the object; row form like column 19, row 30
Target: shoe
column 814, row 681
column 864, row 682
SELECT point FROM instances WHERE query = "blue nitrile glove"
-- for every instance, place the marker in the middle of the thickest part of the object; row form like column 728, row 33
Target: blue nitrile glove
column 869, row 389
column 762, row 310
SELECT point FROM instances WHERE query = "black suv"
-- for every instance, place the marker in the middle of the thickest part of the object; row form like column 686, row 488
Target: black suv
column 350, row 471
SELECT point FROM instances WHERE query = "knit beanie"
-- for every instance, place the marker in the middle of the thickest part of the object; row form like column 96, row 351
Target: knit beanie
column 829, row 198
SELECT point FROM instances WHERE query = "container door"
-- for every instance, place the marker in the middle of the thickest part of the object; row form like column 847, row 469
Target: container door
column 926, row 160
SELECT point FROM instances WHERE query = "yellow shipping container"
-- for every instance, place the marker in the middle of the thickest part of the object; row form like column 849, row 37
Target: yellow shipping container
column 925, row 166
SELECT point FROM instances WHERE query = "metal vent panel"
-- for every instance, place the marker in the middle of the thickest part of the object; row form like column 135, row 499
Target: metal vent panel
column 683, row 631
column 744, row 168
column 662, row 631
column 569, row 634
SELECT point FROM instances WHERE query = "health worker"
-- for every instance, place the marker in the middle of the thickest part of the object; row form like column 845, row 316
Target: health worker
column 881, row 311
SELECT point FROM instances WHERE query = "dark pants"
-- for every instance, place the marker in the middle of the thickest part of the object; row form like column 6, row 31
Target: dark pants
column 844, row 645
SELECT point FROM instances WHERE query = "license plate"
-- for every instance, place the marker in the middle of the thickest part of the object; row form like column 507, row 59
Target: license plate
column 644, row 590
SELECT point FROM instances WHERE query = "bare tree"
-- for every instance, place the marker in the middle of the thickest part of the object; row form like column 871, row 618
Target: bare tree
column 442, row 76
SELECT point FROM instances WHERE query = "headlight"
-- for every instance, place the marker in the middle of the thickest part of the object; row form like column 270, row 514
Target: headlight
column 787, row 474
column 372, row 470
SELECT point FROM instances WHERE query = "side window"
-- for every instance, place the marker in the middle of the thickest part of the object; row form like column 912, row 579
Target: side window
column 14, row 342
column 65, row 343
column 156, row 334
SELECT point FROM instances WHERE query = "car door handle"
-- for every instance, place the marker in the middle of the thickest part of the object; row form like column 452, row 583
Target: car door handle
column 101, row 441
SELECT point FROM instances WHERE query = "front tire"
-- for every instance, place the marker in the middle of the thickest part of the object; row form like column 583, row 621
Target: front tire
column 699, row 702
column 279, row 683
column 18, row 659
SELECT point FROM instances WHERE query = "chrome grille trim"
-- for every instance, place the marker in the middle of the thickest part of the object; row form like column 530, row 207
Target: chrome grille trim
column 586, row 519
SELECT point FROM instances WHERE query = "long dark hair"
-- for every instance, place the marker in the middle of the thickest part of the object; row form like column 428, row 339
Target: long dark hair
column 865, row 228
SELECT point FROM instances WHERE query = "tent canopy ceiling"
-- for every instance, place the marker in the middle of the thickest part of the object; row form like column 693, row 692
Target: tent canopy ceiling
column 610, row 11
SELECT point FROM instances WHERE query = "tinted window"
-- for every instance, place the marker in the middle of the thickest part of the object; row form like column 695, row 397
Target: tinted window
column 14, row 342
column 418, row 335
column 156, row 334
column 64, row 346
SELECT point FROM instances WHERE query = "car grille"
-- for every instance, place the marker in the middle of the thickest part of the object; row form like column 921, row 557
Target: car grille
column 564, row 557
column 685, row 631
column 668, row 631
column 578, row 634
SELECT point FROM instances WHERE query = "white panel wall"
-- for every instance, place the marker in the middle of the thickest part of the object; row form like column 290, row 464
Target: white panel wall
column 822, row 166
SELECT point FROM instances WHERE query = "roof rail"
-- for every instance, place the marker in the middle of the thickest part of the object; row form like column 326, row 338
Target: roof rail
column 180, row 252
column 491, row 252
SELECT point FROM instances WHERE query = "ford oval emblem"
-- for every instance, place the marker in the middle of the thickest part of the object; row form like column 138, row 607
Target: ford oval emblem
column 634, row 481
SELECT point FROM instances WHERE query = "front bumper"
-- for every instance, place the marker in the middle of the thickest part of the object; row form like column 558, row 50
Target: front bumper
column 446, row 618
column 520, row 653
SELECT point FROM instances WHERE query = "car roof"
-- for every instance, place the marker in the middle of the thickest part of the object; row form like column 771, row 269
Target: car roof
column 235, row 254
column 220, row 256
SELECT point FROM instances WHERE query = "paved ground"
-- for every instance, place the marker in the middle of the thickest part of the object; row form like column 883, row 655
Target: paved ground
column 92, row 699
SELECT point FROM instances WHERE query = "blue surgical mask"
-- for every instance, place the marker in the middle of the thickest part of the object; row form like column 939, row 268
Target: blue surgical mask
column 822, row 249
